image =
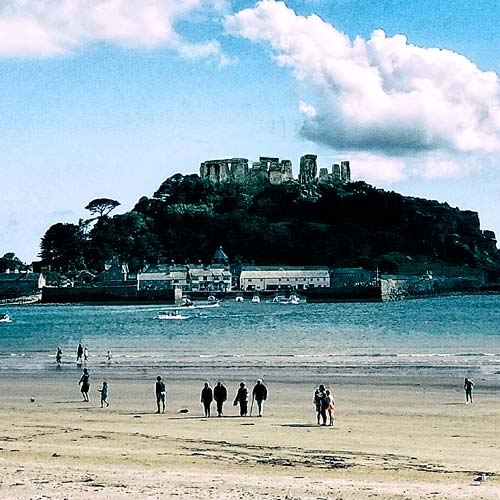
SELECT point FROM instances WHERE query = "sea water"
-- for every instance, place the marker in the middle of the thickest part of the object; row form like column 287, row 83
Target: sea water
column 458, row 333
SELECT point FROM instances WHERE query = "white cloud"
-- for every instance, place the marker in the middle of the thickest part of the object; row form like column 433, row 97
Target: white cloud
column 381, row 95
column 307, row 109
column 47, row 28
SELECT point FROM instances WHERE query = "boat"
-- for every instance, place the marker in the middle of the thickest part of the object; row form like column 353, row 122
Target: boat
column 173, row 315
column 239, row 298
column 281, row 299
column 5, row 318
column 255, row 299
column 212, row 299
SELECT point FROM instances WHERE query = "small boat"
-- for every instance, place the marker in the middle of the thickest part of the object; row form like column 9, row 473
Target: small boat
column 173, row 315
column 212, row 299
column 239, row 298
column 255, row 299
column 294, row 299
column 280, row 299
column 5, row 318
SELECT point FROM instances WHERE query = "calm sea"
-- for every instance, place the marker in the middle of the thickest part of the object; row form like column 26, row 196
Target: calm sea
column 450, row 334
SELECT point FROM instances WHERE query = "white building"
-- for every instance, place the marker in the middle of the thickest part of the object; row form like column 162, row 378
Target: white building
column 260, row 278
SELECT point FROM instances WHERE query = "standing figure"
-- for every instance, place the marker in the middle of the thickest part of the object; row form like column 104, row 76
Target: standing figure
column 242, row 399
column 317, row 405
column 108, row 358
column 220, row 396
column 161, row 393
column 331, row 407
column 85, row 382
column 79, row 354
column 59, row 356
column 104, row 394
column 206, row 398
column 468, row 385
column 259, row 393
column 85, row 354
column 323, row 402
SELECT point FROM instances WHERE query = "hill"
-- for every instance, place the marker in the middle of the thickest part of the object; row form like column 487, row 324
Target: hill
column 327, row 223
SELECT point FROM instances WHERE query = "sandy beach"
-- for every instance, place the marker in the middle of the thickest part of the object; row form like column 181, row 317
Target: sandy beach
column 393, row 439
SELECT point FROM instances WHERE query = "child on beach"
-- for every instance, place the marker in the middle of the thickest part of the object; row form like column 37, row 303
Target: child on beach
column 468, row 386
column 104, row 394
column 331, row 407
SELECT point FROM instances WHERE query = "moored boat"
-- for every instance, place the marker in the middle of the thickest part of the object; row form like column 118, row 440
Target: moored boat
column 255, row 299
column 5, row 318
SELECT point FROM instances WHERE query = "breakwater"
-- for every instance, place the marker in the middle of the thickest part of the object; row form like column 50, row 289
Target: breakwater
column 128, row 294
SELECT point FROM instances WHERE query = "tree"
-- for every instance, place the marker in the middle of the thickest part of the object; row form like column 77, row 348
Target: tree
column 63, row 246
column 11, row 262
column 102, row 206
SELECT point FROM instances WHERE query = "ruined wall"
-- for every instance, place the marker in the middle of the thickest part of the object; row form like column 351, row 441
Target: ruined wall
column 269, row 169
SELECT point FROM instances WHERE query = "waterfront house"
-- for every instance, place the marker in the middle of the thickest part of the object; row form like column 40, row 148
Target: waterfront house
column 269, row 278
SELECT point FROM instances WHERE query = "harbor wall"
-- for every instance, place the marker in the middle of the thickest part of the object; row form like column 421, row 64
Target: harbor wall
column 106, row 294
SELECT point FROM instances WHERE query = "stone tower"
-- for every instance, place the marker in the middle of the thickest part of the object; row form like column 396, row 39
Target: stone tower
column 336, row 172
column 308, row 169
column 345, row 171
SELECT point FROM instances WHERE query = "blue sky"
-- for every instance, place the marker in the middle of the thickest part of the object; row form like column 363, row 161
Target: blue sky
column 107, row 98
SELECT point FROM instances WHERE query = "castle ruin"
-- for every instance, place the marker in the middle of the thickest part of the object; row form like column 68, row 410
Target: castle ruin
column 270, row 170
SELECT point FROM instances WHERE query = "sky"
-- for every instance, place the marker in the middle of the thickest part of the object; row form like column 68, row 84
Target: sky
column 108, row 98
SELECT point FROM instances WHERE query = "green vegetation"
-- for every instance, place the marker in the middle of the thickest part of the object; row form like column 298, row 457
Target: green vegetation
column 332, row 224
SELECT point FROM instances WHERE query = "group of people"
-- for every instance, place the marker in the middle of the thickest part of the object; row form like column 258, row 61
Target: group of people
column 84, row 384
column 219, row 395
column 324, row 402
column 82, row 355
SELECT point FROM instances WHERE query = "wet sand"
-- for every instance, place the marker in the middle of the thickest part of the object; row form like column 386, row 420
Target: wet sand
column 393, row 439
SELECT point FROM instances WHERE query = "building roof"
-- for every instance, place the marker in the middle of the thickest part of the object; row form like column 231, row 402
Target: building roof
column 220, row 257
column 12, row 277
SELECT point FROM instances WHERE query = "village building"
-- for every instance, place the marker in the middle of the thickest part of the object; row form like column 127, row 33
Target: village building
column 13, row 285
column 350, row 276
column 276, row 278
column 215, row 277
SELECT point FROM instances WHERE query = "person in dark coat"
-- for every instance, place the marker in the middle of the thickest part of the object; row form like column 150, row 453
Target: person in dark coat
column 324, row 402
column 468, row 386
column 220, row 396
column 79, row 354
column 207, row 398
column 242, row 399
column 85, row 385
column 259, row 393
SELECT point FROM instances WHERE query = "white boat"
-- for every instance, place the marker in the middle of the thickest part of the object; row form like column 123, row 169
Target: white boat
column 5, row 318
column 239, row 298
column 281, row 299
column 174, row 315
column 256, row 299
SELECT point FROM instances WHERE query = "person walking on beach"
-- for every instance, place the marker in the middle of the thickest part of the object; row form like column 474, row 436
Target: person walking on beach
column 242, row 399
column 85, row 354
column 206, row 398
column 259, row 393
column 104, row 394
column 331, row 407
column 79, row 354
column 323, row 403
column 220, row 396
column 468, row 386
column 108, row 357
column 85, row 383
column 59, row 356
column 317, row 405
column 161, row 394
